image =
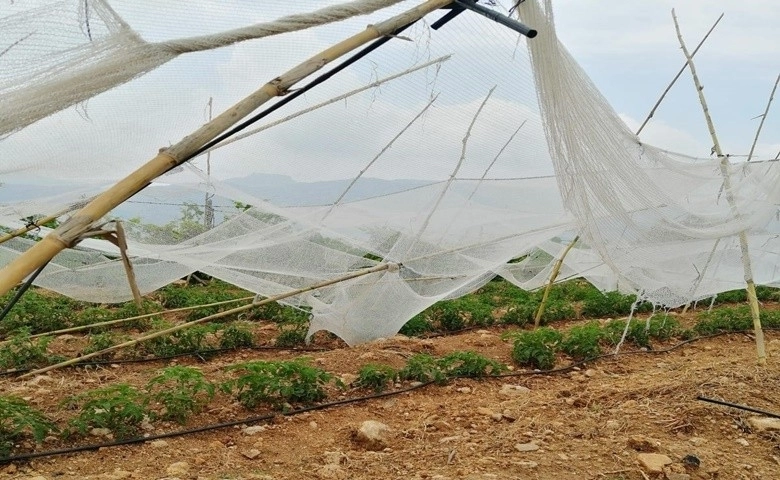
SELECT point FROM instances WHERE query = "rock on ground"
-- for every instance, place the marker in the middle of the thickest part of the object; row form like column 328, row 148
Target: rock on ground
column 372, row 435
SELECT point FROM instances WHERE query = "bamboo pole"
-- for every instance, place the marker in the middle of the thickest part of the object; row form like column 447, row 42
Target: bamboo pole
column 359, row 273
column 674, row 80
column 122, row 244
column 724, row 169
column 553, row 275
column 69, row 233
column 32, row 226
column 763, row 118
column 117, row 321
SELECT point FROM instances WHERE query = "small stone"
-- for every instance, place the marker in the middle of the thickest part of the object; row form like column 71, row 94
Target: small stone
column 697, row 441
column 485, row 411
column 691, row 461
column 743, row 442
column 372, row 435
column 367, row 356
column 178, row 469
column 764, row 424
column 653, row 462
column 497, row 416
column 526, row 447
column 678, row 476
column 159, row 444
column 590, row 372
column 348, row 378
column 463, row 390
column 313, row 425
column 563, row 457
column 335, row 458
column 450, row 439
column 513, row 390
column 251, row 454
column 254, row 429
column 527, row 464
column 331, row 471
column 641, row 443
column 100, row 432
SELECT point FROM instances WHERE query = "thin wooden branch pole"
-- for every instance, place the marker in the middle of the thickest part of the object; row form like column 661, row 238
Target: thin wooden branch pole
column 553, row 275
column 763, row 118
column 674, row 80
column 724, row 169
column 129, row 319
column 67, row 234
column 122, row 241
column 359, row 273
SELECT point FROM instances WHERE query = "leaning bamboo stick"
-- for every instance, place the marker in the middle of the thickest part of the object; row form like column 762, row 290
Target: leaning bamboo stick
column 674, row 80
column 32, row 226
column 724, row 169
column 359, row 273
column 118, row 321
column 763, row 118
column 121, row 241
column 553, row 276
column 69, row 233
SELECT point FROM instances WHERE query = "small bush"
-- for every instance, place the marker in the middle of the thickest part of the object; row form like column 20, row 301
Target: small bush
column 610, row 304
column 469, row 364
column 181, row 391
column 120, row 408
column 24, row 352
column 277, row 383
column 582, row 342
column 236, row 335
column 724, row 320
column 99, row 342
column 537, row 348
column 422, row 368
column 18, row 419
column 417, row 326
column 38, row 313
column 291, row 336
column 375, row 377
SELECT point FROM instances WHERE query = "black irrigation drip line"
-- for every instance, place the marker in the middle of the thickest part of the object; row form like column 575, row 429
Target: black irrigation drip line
column 232, row 423
column 740, row 407
column 21, row 291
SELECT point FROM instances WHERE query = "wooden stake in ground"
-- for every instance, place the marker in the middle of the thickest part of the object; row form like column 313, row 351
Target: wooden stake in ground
column 121, row 241
column 72, row 231
column 553, row 275
column 724, row 170
column 392, row 267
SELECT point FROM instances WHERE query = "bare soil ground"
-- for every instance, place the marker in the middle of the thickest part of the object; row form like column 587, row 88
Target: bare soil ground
column 592, row 422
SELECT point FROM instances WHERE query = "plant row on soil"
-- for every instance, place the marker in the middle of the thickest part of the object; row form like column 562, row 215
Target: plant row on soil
column 177, row 392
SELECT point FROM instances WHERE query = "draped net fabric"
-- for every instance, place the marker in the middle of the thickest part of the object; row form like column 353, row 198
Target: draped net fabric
column 485, row 154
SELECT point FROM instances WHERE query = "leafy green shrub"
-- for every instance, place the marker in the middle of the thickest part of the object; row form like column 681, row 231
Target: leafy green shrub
column 38, row 313
column 422, row 368
column 188, row 340
column 236, row 335
column 724, row 320
column 291, row 336
column 469, row 364
column 610, row 304
column 519, row 315
column 663, row 327
column 120, row 408
column 24, row 352
column 17, row 418
column 582, row 341
column 375, row 377
column 536, row 348
column 417, row 326
column 100, row 341
column 447, row 317
column 181, row 391
column 637, row 333
column 277, row 382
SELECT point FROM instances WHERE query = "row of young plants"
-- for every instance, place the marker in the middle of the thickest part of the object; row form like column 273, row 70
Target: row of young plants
column 178, row 392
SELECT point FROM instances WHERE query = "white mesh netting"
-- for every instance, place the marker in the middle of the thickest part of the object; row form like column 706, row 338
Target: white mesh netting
column 459, row 153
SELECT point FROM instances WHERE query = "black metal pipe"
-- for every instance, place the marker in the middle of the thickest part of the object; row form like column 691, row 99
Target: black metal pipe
column 497, row 17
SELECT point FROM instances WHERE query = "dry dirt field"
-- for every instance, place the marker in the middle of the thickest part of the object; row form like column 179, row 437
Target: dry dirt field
column 598, row 421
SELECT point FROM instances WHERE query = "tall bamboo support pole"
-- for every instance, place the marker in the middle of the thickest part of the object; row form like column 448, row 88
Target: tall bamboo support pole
column 724, row 170
column 763, row 118
column 553, row 276
column 359, row 273
column 69, row 233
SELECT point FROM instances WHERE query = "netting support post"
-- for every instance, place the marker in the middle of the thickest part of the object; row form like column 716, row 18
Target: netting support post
column 120, row 241
column 553, row 276
column 724, row 169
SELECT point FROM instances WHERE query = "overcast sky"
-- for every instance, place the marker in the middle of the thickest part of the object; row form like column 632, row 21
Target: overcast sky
column 628, row 47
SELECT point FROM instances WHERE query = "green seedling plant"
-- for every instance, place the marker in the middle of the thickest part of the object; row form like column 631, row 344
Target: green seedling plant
column 423, row 368
column 181, row 391
column 469, row 364
column 38, row 313
column 24, row 352
column 416, row 326
column 583, row 341
column 100, row 341
column 236, row 335
column 536, row 348
column 277, row 383
column 120, row 408
column 291, row 335
column 18, row 419
column 375, row 377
